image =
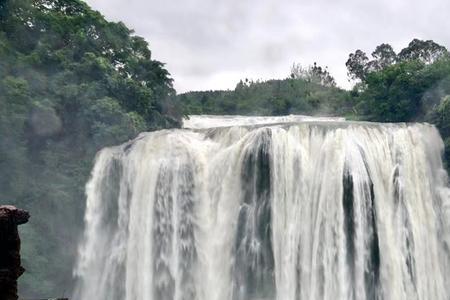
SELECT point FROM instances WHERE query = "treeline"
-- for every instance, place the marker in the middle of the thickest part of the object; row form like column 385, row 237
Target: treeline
column 408, row 86
column 70, row 83
column 403, row 87
column 310, row 90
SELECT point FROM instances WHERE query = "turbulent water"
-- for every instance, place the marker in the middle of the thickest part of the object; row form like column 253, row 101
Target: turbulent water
column 241, row 208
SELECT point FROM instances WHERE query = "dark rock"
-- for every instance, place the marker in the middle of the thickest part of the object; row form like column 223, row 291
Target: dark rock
column 10, row 268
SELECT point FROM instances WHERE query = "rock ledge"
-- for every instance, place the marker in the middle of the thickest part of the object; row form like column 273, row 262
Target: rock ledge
column 10, row 267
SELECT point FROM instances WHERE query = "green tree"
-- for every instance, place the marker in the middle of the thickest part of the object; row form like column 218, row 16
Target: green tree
column 425, row 51
column 357, row 65
column 392, row 95
column 383, row 57
column 70, row 83
column 315, row 73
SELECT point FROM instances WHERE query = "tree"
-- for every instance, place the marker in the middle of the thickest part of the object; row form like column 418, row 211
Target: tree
column 315, row 74
column 425, row 51
column 443, row 115
column 393, row 95
column 383, row 57
column 357, row 65
column 71, row 83
column 406, row 91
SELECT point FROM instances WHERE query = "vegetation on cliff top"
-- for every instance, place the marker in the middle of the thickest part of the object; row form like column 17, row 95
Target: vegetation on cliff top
column 70, row 83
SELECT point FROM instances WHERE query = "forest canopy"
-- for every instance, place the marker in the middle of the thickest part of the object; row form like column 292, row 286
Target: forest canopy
column 71, row 83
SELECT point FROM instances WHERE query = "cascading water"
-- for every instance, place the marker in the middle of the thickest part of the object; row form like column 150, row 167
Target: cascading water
column 283, row 208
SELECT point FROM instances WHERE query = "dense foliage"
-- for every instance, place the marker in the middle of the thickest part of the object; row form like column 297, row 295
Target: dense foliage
column 413, row 85
column 70, row 83
column 309, row 90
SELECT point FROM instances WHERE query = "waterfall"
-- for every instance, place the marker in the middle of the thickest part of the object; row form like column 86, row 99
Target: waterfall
column 252, row 208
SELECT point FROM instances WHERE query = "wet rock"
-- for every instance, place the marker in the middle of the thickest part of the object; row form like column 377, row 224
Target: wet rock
column 10, row 267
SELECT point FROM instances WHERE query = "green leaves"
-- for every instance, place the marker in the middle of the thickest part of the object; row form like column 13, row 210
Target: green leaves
column 315, row 74
column 302, row 93
column 71, row 83
column 424, row 51
column 359, row 66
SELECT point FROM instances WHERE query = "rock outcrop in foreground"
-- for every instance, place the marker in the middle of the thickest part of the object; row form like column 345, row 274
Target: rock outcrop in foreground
column 10, row 268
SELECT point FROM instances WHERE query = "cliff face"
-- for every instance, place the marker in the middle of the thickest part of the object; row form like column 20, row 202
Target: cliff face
column 10, row 268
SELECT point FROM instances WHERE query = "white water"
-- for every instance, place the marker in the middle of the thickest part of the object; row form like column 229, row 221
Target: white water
column 291, row 208
column 209, row 121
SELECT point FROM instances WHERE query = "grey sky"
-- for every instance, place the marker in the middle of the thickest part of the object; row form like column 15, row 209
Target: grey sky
column 211, row 44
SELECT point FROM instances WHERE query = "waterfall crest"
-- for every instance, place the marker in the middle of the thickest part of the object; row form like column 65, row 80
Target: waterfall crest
column 251, row 208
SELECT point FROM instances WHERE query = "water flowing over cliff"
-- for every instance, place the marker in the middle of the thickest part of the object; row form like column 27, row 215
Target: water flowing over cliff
column 281, row 208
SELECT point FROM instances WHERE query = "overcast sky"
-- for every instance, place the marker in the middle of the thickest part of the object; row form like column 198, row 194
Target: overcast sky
column 212, row 44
